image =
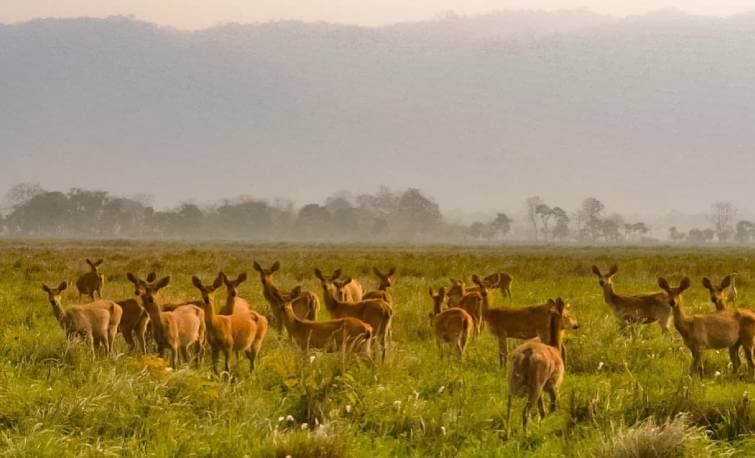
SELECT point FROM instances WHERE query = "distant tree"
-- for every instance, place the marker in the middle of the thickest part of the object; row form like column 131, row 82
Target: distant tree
column 610, row 229
column 501, row 225
column 696, row 236
column 722, row 217
column 561, row 228
column 416, row 214
column 708, row 235
column 589, row 218
column 21, row 193
column 745, row 230
column 246, row 219
column 632, row 229
column 313, row 221
column 531, row 204
column 674, row 234
column 545, row 213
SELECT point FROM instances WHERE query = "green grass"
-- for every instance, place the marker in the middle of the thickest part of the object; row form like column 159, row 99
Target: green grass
column 55, row 399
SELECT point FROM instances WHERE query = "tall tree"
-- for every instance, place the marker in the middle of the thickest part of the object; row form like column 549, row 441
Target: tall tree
column 531, row 205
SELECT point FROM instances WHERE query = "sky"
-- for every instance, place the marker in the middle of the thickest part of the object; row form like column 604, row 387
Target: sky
column 198, row 14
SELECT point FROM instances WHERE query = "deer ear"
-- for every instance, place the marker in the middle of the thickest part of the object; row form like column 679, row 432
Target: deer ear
column 318, row 274
column 296, row 292
column 256, row 266
column 442, row 292
column 684, row 285
column 336, row 274
column 347, row 281
column 377, row 272
column 99, row 261
column 430, row 290
column 152, row 276
column 551, row 302
column 162, row 283
column 131, row 277
column 726, row 282
column 223, row 278
column 241, row 278
column 596, row 271
column 219, row 280
column 88, row 261
column 663, row 284
column 614, row 269
column 46, row 288
column 197, row 283
column 391, row 272
column 476, row 280
column 62, row 286
column 276, row 266
column 707, row 284
column 560, row 305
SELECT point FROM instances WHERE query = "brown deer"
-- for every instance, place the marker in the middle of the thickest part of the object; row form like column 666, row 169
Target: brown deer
column 537, row 367
column 385, row 283
column 97, row 322
column 341, row 334
column 177, row 330
column 235, row 304
column 645, row 309
column 305, row 306
column 348, row 290
column 135, row 320
column 500, row 280
column 717, row 330
column 375, row 312
column 90, row 283
column 523, row 322
column 452, row 326
column 468, row 299
column 228, row 333
column 718, row 294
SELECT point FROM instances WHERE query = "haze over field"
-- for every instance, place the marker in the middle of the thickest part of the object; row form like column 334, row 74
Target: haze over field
column 648, row 113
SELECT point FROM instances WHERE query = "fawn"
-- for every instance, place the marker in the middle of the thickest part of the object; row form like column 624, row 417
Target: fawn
column 537, row 366
column 90, row 283
column 452, row 326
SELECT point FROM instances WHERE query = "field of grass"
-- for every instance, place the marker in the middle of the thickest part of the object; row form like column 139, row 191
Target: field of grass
column 56, row 399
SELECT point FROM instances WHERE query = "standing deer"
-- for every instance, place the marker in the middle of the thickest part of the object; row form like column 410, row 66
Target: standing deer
column 524, row 322
column 375, row 312
column 719, row 294
column 228, row 333
column 348, row 290
column 717, row 330
column 645, row 309
column 135, row 320
column 306, row 305
column 468, row 299
column 96, row 322
column 236, row 305
column 537, row 367
column 452, row 326
column 177, row 330
column 500, row 280
column 91, row 282
column 385, row 283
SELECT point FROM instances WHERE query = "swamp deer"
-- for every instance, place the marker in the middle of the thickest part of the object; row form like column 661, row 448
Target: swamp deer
column 91, row 282
column 375, row 312
column 235, row 304
column 306, row 305
column 717, row 330
column 177, row 330
column 537, row 367
column 452, row 326
column 382, row 289
column 500, row 280
column 97, row 322
column 135, row 319
column 345, row 334
column 348, row 290
column 719, row 294
column 524, row 322
column 228, row 333
column 644, row 309
column 468, row 299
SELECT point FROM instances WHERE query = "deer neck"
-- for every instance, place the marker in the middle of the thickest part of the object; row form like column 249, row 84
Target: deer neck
column 680, row 320
column 231, row 298
column 556, row 325
column 331, row 302
column 57, row 309
column 209, row 311
column 437, row 307
column 289, row 319
column 608, row 293
column 485, row 304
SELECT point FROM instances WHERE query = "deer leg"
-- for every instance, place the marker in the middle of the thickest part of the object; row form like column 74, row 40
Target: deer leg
column 734, row 357
column 697, row 364
column 227, row 354
column 553, row 395
column 174, row 357
column 215, row 354
column 748, row 357
column 526, row 415
column 252, row 355
column 541, row 407
column 508, row 416
column 503, row 352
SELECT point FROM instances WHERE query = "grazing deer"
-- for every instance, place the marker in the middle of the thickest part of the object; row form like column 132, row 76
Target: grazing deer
column 177, row 330
column 341, row 334
column 227, row 333
column 719, row 294
column 537, row 367
column 452, row 326
column 524, row 322
column 91, row 282
column 375, row 312
column 645, row 309
column 96, row 322
column 717, row 330
column 469, row 300
column 385, row 283
column 305, row 305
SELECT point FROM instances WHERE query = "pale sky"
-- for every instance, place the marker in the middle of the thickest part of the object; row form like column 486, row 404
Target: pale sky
column 197, row 14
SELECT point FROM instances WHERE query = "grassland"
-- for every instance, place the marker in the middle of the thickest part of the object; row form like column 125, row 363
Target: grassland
column 55, row 399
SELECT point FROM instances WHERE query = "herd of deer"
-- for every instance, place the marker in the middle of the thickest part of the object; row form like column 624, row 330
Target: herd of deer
column 361, row 322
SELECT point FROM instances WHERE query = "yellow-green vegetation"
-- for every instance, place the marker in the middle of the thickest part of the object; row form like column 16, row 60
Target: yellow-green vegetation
column 622, row 395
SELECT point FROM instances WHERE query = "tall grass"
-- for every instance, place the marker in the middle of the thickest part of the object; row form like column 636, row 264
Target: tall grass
column 57, row 399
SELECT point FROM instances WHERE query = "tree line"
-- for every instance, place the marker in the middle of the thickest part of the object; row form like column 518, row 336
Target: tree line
column 384, row 216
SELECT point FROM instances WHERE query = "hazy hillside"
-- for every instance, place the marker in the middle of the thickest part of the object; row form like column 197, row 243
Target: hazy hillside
column 648, row 113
